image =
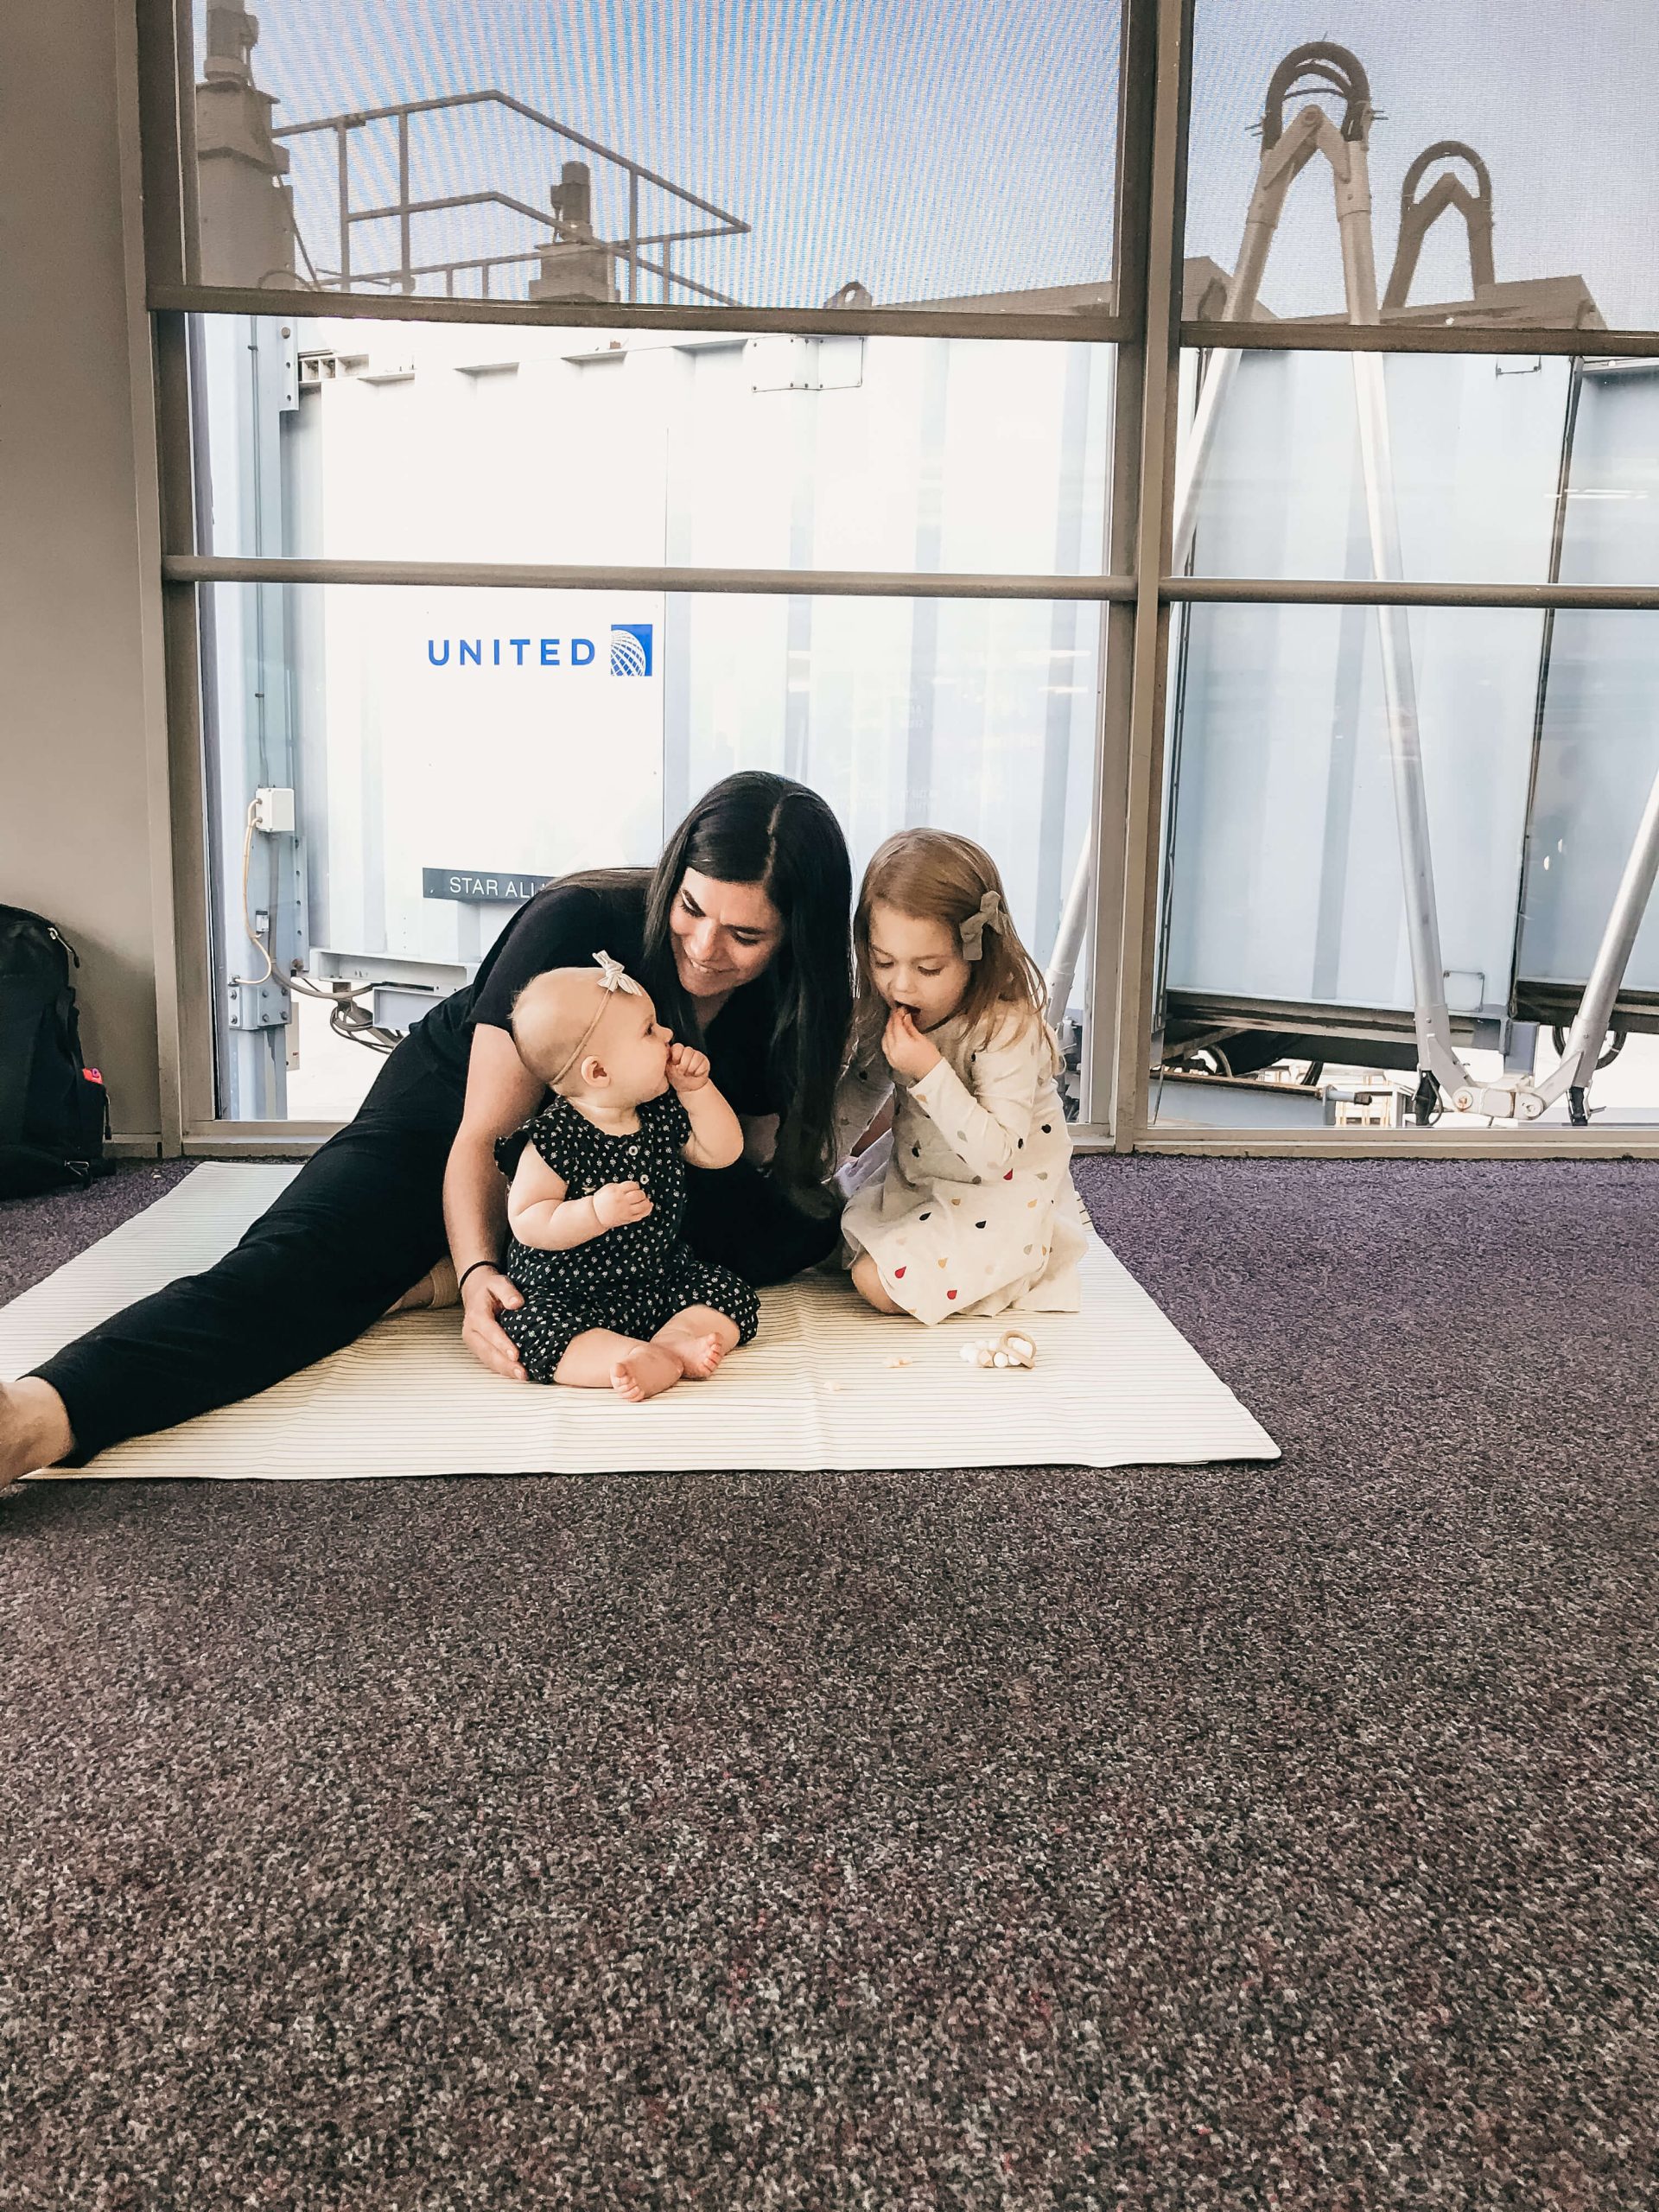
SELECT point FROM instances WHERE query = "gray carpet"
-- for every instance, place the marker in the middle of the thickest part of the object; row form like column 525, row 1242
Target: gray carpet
column 1181, row 1838
column 38, row 1235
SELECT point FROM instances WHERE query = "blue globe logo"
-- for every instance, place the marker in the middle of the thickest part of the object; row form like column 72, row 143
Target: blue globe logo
column 630, row 649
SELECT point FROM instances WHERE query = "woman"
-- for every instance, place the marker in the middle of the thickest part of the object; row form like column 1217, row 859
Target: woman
column 741, row 934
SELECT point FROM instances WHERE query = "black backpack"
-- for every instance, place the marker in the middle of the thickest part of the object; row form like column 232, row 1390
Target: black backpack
column 54, row 1114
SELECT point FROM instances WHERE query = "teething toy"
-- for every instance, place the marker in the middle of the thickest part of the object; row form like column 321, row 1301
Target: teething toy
column 1012, row 1349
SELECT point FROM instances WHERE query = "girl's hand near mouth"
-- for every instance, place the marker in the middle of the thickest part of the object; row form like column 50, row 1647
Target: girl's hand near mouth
column 908, row 1053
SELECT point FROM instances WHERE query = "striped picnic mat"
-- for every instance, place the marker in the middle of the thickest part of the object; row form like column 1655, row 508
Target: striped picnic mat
column 1116, row 1385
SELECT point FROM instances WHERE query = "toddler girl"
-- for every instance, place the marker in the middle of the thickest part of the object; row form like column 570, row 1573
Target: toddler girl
column 613, row 1299
column 975, row 1212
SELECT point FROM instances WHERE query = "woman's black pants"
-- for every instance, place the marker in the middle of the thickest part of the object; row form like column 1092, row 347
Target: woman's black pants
column 360, row 1222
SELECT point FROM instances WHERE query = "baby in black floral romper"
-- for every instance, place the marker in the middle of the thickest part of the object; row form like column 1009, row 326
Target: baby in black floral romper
column 613, row 1299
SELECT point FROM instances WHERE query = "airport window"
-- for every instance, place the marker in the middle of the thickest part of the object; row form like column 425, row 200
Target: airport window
column 1506, row 156
column 1505, row 469
column 394, row 769
column 871, row 154
column 851, row 392
column 439, row 442
column 1290, row 994
column 1398, row 842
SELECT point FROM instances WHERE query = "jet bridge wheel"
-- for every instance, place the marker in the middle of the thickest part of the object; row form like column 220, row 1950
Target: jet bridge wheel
column 1196, row 1059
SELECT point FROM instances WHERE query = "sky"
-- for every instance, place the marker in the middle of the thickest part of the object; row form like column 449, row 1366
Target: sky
column 1558, row 97
column 966, row 146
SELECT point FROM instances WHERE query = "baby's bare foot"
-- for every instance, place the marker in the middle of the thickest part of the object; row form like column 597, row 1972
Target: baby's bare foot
column 644, row 1374
column 698, row 1355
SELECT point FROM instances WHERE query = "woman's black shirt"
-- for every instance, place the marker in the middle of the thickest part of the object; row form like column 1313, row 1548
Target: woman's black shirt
column 562, row 927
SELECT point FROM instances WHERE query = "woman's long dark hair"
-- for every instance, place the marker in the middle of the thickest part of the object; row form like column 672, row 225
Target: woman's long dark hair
column 758, row 828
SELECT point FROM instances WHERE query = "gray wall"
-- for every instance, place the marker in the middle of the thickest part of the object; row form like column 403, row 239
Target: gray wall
column 79, row 632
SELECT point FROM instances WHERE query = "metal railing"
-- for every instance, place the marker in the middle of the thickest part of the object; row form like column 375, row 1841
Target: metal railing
column 404, row 274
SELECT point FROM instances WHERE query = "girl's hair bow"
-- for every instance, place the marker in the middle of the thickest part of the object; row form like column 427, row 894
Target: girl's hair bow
column 989, row 916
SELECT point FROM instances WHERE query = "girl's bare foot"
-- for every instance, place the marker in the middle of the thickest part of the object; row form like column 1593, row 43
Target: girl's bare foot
column 644, row 1374
column 866, row 1281
column 34, row 1429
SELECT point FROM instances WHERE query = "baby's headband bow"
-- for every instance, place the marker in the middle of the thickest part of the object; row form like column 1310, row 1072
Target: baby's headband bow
column 612, row 977
column 989, row 916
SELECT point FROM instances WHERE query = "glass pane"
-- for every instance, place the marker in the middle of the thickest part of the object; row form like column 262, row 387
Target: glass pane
column 446, row 751
column 1286, row 985
column 1500, row 163
column 1505, row 470
column 783, row 155
column 354, row 440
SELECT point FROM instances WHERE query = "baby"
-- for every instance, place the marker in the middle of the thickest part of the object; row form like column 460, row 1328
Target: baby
column 613, row 1299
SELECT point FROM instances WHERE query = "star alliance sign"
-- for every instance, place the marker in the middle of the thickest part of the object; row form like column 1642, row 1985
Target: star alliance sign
column 631, row 651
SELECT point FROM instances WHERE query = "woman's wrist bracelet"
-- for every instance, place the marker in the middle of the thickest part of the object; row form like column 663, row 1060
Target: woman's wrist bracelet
column 460, row 1281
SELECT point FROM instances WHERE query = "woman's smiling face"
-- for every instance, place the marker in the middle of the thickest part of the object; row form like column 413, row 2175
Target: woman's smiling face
column 724, row 933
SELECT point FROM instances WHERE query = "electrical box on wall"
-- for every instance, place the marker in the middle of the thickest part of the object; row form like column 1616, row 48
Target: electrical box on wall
column 273, row 810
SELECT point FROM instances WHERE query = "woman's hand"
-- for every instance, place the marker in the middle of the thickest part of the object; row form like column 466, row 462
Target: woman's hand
column 878, row 1128
column 907, row 1052
column 486, row 1294
column 687, row 1070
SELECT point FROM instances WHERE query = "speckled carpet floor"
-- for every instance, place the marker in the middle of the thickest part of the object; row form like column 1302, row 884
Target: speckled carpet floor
column 1277, row 1836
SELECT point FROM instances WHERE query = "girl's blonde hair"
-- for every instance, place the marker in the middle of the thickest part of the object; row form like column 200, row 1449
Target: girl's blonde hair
column 935, row 876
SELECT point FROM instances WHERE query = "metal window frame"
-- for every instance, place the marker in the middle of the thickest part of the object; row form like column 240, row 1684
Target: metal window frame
column 1069, row 327
column 1135, row 596
column 534, row 576
column 1291, row 337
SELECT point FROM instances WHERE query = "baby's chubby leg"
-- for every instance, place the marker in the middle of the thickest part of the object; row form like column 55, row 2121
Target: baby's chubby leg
column 698, row 1338
column 599, row 1359
column 560, row 1343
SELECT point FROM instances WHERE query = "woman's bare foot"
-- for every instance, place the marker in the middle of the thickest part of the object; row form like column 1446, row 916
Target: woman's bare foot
column 34, row 1429
column 436, row 1286
column 646, row 1373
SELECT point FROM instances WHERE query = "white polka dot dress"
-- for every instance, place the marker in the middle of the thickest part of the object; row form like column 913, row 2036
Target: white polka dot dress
column 632, row 1278
column 975, row 1211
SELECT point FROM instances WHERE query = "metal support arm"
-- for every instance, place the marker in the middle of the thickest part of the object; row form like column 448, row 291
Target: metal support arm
column 1527, row 1100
